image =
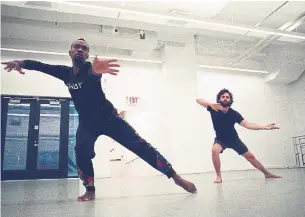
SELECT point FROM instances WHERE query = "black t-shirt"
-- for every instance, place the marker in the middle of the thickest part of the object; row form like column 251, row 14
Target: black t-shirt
column 85, row 89
column 224, row 123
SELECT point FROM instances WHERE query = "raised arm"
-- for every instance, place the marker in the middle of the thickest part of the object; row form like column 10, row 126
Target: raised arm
column 206, row 104
column 58, row 71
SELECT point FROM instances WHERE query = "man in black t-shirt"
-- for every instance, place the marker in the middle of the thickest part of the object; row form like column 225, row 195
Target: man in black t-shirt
column 224, row 119
column 97, row 115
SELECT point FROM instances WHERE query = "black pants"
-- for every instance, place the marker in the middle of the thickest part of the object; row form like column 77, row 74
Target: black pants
column 119, row 130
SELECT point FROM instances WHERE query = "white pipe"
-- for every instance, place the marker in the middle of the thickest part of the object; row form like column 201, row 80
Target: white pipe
column 289, row 26
column 257, row 24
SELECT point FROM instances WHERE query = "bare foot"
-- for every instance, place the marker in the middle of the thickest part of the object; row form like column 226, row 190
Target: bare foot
column 270, row 176
column 186, row 185
column 218, row 180
column 87, row 196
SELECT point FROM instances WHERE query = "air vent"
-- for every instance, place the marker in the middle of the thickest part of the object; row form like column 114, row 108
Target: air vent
column 39, row 4
column 173, row 43
column 118, row 51
column 179, row 12
column 177, row 22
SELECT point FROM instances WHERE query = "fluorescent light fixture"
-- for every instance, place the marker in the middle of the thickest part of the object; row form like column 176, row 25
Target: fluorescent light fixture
column 294, row 26
column 34, row 51
column 187, row 19
column 233, row 69
column 66, row 54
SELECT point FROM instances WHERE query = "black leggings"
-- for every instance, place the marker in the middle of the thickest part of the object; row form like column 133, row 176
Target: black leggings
column 119, row 130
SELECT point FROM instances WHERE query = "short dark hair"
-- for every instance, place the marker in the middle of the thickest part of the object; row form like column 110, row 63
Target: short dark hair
column 223, row 91
column 80, row 39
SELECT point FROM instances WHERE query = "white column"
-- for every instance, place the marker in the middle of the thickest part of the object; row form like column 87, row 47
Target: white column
column 181, row 112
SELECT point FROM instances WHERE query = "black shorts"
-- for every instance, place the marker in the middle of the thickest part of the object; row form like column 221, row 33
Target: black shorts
column 237, row 145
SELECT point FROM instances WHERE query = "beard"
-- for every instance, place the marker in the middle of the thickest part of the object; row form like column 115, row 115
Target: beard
column 225, row 103
column 79, row 60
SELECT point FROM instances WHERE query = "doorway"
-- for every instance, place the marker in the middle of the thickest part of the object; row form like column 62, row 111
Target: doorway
column 37, row 138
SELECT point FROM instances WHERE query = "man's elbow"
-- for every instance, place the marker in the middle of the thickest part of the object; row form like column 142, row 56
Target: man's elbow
column 244, row 124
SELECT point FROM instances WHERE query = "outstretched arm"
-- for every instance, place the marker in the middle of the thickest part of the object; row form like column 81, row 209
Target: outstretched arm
column 57, row 71
column 253, row 126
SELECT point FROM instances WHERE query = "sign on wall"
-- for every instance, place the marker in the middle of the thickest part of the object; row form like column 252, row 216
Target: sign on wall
column 132, row 100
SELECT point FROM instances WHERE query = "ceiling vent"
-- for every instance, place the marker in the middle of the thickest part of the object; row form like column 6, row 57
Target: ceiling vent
column 177, row 22
column 172, row 43
column 41, row 4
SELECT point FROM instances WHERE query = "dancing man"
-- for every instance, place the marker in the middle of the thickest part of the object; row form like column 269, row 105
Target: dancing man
column 97, row 115
column 224, row 119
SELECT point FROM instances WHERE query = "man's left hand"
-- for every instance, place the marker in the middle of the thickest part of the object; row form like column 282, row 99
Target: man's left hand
column 271, row 127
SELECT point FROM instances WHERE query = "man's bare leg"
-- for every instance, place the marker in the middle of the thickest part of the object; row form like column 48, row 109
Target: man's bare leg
column 251, row 158
column 216, row 161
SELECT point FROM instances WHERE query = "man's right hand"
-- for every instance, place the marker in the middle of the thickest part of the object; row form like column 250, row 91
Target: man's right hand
column 16, row 65
column 216, row 107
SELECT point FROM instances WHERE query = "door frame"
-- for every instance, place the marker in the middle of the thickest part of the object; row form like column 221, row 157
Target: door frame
column 31, row 171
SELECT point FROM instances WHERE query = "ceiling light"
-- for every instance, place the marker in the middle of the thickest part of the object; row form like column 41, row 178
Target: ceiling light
column 132, row 60
column 233, row 69
column 294, row 26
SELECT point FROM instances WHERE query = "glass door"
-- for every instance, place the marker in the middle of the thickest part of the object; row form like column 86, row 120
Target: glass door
column 17, row 121
column 51, row 138
column 34, row 141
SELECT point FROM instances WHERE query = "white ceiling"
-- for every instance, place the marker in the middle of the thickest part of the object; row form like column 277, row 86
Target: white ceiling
column 225, row 33
column 195, row 9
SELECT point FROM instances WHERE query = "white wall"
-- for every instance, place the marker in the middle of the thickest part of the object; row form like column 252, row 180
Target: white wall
column 140, row 80
column 255, row 100
column 258, row 102
column 137, row 80
column 33, row 83
column 296, row 96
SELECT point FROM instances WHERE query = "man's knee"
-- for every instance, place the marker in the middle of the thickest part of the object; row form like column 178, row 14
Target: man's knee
column 216, row 150
column 249, row 156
